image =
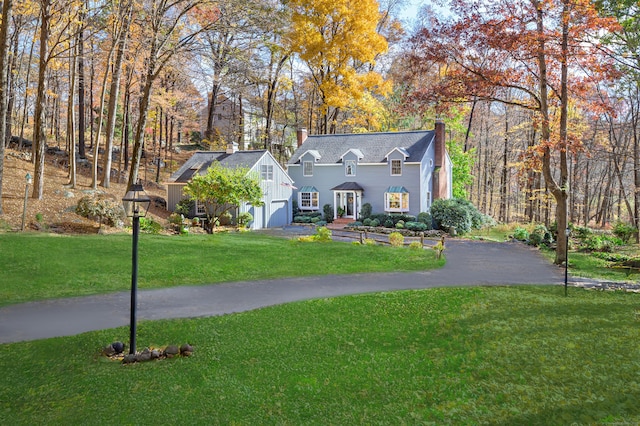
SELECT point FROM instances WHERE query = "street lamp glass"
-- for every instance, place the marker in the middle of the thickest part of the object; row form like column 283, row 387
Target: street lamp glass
column 136, row 202
column 28, row 178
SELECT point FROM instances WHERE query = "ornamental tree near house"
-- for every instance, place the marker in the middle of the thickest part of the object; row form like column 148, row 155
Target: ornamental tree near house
column 222, row 189
column 539, row 55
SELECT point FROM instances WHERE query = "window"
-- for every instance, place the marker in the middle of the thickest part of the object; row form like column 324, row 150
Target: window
column 201, row 209
column 396, row 201
column 350, row 168
column 396, row 167
column 307, row 168
column 309, row 201
column 266, row 172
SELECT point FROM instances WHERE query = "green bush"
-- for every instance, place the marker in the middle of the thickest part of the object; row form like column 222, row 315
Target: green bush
column 354, row 224
column 400, row 224
column 366, row 222
column 185, row 206
column 425, row 217
column 581, row 232
column 370, row 242
column 540, row 236
column 365, row 212
column 624, row 231
column 302, row 219
column 603, row 243
column 521, row 234
column 323, row 234
column 451, row 214
column 328, row 212
column 416, row 226
column 388, row 223
column 375, row 222
column 321, row 223
column 150, row 226
column 396, row 239
column 244, row 219
column 415, row 245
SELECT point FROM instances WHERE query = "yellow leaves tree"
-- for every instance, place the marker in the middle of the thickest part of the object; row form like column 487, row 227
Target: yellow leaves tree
column 338, row 40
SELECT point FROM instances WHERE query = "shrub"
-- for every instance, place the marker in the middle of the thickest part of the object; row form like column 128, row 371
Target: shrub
column 323, row 234
column 104, row 209
column 302, row 219
column 581, row 232
column 321, row 223
column 624, row 231
column 400, row 224
column 365, row 212
column 425, row 217
column 521, row 234
column 449, row 214
column 388, row 223
column 416, row 226
column 185, row 206
column 150, row 226
column 375, row 222
column 369, row 242
column 328, row 212
column 354, row 224
column 244, row 219
column 415, row 245
column 396, row 239
column 540, row 235
column 366, row 222
column 603, row 243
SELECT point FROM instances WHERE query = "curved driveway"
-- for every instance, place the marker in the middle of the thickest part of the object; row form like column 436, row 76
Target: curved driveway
column 468, row 263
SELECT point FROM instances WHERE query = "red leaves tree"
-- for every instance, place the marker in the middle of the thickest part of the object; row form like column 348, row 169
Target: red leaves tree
column 542, row 55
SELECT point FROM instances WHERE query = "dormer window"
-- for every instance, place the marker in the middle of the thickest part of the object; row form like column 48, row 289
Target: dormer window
column 396, row 167
column 350, row 168
column 307, row 168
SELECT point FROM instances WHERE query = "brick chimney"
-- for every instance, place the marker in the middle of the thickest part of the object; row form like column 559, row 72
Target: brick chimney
column 302, row 136
column 440, row 179
column 232, row 147
column 440, row 146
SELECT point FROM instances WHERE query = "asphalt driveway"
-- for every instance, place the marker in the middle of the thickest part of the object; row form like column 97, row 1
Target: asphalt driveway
column 468, row 263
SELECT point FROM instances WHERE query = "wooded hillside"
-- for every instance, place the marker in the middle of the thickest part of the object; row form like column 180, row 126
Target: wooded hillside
column 541, row 99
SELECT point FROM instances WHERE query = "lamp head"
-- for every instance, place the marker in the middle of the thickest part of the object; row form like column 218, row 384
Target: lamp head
column 136, row 202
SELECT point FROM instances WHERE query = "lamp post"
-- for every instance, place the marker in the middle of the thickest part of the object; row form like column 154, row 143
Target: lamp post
column 29, row 179
column 136, row 204
column 567, row 233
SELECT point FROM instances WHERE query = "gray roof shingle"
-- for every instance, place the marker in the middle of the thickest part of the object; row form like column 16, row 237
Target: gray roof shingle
column 374, row 146
column 200, row 161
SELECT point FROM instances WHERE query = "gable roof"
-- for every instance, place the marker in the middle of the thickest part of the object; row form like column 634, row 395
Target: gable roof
column 200, row 161
column 373, row 146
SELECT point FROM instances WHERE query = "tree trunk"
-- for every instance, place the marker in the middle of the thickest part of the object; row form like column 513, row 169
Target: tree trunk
column 121, row 41
column 39, row 137
column 82, row 125
column 7, row 6
column 71, row 140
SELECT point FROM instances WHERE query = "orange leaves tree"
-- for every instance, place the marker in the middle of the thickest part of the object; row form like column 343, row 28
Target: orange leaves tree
column 528, row 53
column 338, row 40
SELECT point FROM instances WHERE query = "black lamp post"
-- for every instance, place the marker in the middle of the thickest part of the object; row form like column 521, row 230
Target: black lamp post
column 136, row 204
column 567, row 233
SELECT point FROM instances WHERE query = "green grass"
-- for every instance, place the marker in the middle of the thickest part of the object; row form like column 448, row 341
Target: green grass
column 40, row 266
column 500, row 356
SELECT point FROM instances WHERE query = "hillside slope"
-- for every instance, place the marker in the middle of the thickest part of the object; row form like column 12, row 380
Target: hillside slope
column 57, row 207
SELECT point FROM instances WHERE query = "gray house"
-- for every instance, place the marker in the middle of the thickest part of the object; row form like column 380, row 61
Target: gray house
column 395, row 172
column 276, row 184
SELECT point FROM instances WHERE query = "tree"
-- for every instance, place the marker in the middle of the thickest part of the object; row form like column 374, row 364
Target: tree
column 171, row 28
column 338, row 40
column 223, row 188
column 539, row 50
column 7, row 7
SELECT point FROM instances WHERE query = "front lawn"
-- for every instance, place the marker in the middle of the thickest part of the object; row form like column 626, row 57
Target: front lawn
column 40, row 266
column 495, row 355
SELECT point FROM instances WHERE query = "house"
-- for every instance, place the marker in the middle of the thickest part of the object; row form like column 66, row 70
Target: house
column 395, row 172
column 276, row 184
